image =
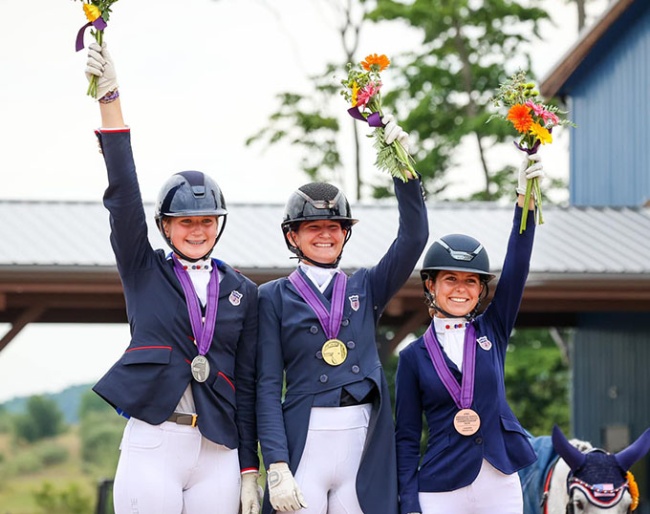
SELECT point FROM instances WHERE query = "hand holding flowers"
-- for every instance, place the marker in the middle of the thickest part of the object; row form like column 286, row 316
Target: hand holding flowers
column 362, row 90
column 534, row 121
column 97, row 13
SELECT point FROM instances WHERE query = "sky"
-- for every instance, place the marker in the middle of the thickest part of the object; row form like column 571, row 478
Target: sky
column 197, row 77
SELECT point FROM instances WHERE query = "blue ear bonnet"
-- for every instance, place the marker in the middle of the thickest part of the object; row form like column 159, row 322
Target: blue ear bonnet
column 600, row 467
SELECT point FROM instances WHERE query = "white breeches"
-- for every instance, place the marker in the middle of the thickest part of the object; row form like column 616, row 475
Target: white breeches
column 491, row 492
column 173, row 469
column 327, row 472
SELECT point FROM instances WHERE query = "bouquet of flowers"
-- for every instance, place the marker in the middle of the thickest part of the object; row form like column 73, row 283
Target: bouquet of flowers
column 97, row 12
column 534, row 121
column 361, row 89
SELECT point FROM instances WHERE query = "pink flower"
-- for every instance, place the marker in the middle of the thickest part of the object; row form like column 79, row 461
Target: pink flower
column 550, row 118
column 537, row 108
column 367, row 92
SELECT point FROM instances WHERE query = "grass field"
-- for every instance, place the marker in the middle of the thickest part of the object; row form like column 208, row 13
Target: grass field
column 22, row 475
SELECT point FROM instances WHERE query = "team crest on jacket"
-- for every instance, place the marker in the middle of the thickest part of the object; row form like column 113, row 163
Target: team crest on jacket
column 484, row 343
column 235, row 298
column 354, row 302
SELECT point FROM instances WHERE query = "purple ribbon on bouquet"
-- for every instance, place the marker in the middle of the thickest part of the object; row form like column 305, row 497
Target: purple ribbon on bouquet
column 463, row 394
column 203, row 331
column 331, row 323
column 99, row 24
column 374, row 119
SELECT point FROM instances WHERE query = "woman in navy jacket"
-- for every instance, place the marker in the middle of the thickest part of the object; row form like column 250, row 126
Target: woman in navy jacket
column 454, row 375
column 186, row 381
column 333, row 427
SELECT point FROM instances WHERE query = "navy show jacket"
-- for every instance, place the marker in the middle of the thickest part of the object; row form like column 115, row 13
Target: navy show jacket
column 151, row 376
column 290, row 340
column 452, row 460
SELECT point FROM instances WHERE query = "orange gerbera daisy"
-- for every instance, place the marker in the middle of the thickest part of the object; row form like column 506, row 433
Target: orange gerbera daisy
column 520, row 117
column 380, row 62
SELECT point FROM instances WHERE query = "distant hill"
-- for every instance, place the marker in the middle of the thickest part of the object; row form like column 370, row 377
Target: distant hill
column 67, row 400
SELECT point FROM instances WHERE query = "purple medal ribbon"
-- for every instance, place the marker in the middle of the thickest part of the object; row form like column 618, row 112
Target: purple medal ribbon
column 374, row 119
column 203, row 331
column 462, row 394
column 331, row 322
column 99, row 24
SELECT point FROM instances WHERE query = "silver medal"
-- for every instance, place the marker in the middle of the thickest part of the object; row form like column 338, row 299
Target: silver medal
column 200, row 368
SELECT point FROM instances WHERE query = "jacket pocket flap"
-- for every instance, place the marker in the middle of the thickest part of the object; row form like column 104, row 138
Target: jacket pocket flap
column 147, row 355
column 512, row 425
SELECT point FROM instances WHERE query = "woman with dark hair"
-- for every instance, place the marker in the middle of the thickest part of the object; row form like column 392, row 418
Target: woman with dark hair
column 453, row 375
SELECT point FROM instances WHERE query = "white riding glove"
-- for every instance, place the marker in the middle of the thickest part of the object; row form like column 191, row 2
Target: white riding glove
column 100, row 64
column 392, row 131
column 250, row 499
column 284, row 492
column 528, row 171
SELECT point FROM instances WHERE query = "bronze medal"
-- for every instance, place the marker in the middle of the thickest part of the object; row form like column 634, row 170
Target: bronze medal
column 334, row 352
column 467, row 422
column 200, row 368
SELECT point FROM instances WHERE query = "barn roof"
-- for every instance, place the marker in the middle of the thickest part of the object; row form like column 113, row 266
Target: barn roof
column 56, row 264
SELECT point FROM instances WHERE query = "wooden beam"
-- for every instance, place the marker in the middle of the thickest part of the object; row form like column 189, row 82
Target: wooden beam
column 28, row 315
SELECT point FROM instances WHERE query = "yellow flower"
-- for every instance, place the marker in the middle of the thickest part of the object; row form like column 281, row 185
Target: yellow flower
column 374, row 62
column 355, row 92
column 541, row 133
column 634, row 490
column 92, row 12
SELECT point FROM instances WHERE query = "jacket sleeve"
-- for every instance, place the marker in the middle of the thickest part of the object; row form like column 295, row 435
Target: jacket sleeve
column 396, row 266
column 123, row 200
column 245, row 368
column 408, row 431
column 510, row 290
column 270, row 373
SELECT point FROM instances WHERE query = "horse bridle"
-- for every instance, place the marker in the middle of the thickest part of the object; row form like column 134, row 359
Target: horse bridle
column 592, row 493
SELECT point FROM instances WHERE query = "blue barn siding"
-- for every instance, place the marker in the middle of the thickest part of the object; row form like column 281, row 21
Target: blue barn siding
column 611, row 382
column 610, row 102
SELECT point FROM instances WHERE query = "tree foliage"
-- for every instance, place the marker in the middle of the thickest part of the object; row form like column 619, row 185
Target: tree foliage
column 70, row 500
column 100, row 430
column 468, row 48
column 537, row 381
column 443, row 89
column 42, row 419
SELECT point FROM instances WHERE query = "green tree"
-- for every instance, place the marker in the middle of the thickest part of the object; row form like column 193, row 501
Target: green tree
column 308, row 120
column 537, row 381
column 100, row 430
column 468, row 48
column 42, row 419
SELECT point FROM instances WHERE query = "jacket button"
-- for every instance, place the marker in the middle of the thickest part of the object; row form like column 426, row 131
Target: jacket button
column 345, row 322
column 319, row 354
column 313, row 329
column 478, row 440
column 323, row 379
column 351, row 345
column 355, row 369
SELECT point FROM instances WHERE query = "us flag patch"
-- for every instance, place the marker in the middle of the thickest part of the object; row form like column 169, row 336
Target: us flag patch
column 235, row 298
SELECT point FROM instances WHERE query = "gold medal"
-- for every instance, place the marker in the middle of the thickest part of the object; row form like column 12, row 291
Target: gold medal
column 334, row 352
column 467, row 422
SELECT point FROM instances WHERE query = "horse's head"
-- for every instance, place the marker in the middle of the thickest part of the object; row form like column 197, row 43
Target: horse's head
column 599, row 480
